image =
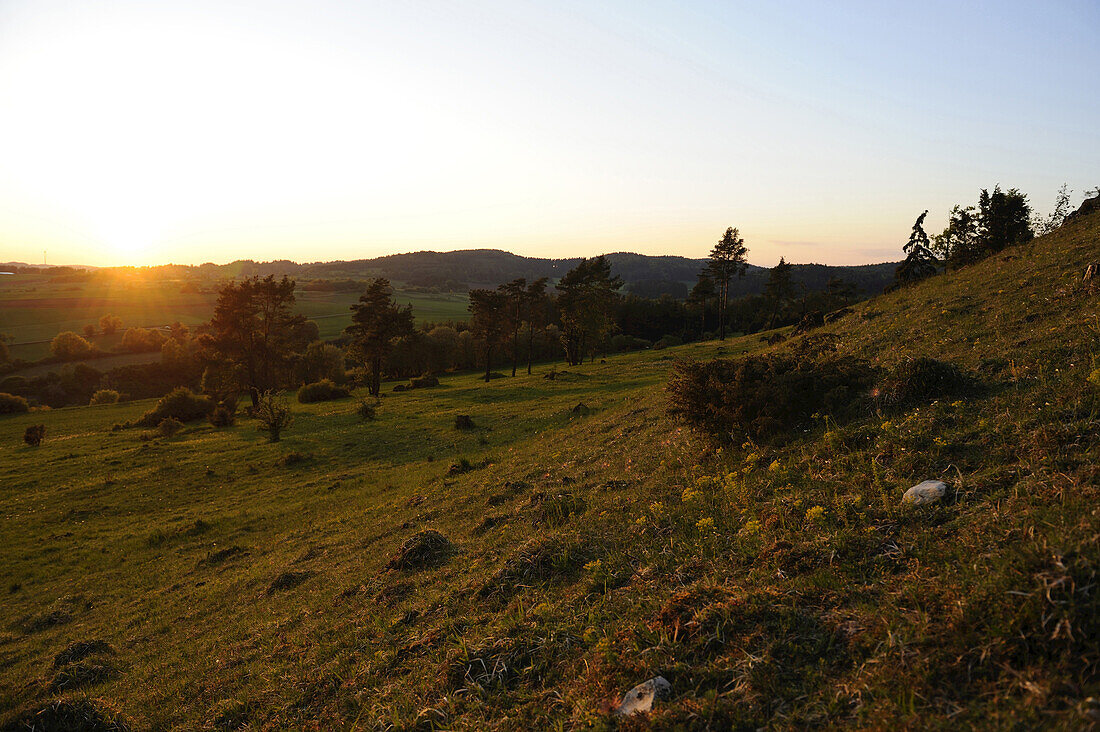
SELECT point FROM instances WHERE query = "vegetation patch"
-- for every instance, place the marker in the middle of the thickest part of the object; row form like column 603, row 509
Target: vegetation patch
column 423, row 550
column 81, row 674
column 80, row 650
column 537, row 562
column 767, row 396
column 180, row 404
column 77, row 714
column 920, row 380
column 324, row 390
column 34, row 434
column 11, row 404
column 289, row 580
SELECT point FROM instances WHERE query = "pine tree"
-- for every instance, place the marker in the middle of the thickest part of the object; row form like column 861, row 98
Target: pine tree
column 727, row 259
column 919, row 262
column 377, row 320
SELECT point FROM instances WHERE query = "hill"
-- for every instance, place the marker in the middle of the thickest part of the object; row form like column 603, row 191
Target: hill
column 220, row 581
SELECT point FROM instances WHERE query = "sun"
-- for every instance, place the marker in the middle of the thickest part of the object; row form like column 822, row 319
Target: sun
column 128, row 246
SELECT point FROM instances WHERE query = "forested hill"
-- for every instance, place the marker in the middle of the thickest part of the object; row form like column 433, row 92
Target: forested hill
column 645, row 275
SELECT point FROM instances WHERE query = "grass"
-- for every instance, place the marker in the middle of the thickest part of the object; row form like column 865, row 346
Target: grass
column 33, row 309
column 772, row 586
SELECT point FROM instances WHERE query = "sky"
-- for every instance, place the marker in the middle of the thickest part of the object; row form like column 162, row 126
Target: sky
column 152, row 131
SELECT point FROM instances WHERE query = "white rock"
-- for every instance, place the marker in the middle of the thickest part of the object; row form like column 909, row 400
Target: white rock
column 642, row 696
column 929, row 491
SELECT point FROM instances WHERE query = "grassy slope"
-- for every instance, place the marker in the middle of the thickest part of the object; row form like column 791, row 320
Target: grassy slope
column 712, row 569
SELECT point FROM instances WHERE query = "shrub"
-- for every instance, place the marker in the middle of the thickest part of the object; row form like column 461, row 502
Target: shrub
column 273, row 415
column 169, row 426
column 922, row 379
column 764, row 396
column 142, row 340
column 13, row 384
column 620, row 343
column 69, row 346
column 11, row 404
column 222, row 417
column 667, row 341
column 321, row 391
column 365, row 410
column 104, row 396
column 34, row 435
column 464, row 422
column 181, row 404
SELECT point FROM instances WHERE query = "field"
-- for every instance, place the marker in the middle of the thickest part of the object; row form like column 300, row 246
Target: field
column 33, row 309
column 597, row 543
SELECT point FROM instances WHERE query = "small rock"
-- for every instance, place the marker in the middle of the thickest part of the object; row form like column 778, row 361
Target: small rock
column 929, row 491
column 642, row 696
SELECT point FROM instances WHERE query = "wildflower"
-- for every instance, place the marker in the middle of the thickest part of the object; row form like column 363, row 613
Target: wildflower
column 815, row 514
column 690, row 495
column 594, row 566
column 705, row 525
column 1094, row 378
column 775, row 467
column 751, row 528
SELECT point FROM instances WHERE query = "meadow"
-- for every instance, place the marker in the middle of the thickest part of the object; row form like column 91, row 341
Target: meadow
column 594, row 543
column 33, row 308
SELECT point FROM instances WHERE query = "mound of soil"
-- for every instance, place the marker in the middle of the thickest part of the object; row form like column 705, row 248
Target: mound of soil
column 427, row 548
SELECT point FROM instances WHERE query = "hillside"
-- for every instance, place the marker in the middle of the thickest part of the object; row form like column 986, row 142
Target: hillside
column 596, row 543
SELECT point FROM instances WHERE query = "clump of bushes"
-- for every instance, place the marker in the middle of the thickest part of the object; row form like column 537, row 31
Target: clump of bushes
column 180, row 404
column 222, row 416
column 104, row 396
column 168, row 427
column 667, row 341
column 12, row 404
column 764, row 397
column 427, row 548
column 917, row 380
column 34, row 435
column 322, row 391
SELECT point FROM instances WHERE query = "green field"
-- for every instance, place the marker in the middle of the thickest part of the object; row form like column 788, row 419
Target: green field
column 244, row 585
column 33, row 309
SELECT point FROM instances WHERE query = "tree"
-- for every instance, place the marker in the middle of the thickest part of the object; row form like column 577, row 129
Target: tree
column 377, row 320
column 919, row 262
column 840, row 292
column 703, row 291
column 586, row 295
column 727, row 259
column 109, row 324
column 515, row 302
column 69, row 346
column 538, row 306
column 779, row 287
column 1004, row 220
column 958, row 243
column 490, row 321
column 89, row 331
column 1058, row 214
column 255, row 334
column 273, row 414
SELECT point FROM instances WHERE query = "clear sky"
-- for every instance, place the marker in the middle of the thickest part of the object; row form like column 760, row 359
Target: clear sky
column 212, row 130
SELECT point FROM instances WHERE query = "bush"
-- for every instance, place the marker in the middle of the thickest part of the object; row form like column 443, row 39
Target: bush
column 222, row 417
column 11, row 404
column 322, row 391
column 104, row 396
column 765, row 396
column 181, row 404
column 142, row 340
column 365, row 410
column 667, row 342
column 34, row 435
column 13, row 384
column 169, row 427
column 69, row 346
column 273, row 415
column 429, row 548
column 919, row 380
column 622, row 343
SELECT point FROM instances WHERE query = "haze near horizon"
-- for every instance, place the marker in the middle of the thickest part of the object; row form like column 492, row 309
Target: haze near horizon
column 140, row 133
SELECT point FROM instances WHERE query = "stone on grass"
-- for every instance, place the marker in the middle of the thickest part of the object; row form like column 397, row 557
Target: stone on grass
column 929, row 491
column 642, row 697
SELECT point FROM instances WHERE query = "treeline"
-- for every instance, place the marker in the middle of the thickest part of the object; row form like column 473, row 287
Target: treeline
column 999, row 220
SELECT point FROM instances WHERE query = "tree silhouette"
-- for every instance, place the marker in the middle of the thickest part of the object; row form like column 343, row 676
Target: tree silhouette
column 727, row 259
column 586, row 295
column 255, row 332
column 376, row 321
column 490, row 321
column 779, row 287
column 919, row 262
column 703, row 291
